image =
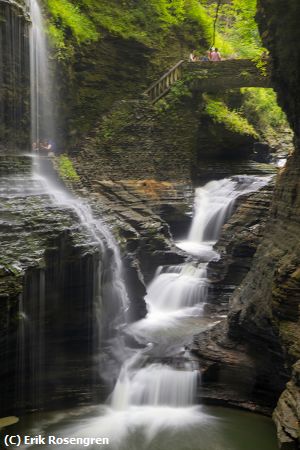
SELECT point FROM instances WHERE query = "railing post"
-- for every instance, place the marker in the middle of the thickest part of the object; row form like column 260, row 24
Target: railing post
column 162, row 86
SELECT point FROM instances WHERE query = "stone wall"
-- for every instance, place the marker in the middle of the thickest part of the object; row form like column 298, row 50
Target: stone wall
column 219, row 77
column 166, row 142
column 135, row 141
column 112, row 69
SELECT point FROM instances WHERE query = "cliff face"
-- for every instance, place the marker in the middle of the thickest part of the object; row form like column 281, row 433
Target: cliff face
column 14, row 77
column 112, row 69
column 265, row 308
column 51, row 275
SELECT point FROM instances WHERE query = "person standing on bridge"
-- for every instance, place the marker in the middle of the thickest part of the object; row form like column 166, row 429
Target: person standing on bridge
column 192, row 57
column 215, row 55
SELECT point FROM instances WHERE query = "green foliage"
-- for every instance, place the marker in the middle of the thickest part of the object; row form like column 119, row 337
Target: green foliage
column 261, row 109
column 66, row 169
column 65, row 17
column 146, row 21
column 66, row 14
column 237, row 28
column 114, row 122
column 232, row 120
column 180, row 89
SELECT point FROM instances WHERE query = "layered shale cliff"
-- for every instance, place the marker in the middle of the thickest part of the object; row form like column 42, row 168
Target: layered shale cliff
column 265, row 309
column 14, row 76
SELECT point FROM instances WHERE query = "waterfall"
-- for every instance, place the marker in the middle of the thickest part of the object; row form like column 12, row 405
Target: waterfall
column 174, row 300
column 43, row 126
column 172, row 291
column 110, row 299
column 41, row 79
column 155, row 385
column 149, row 397
column 214, row 204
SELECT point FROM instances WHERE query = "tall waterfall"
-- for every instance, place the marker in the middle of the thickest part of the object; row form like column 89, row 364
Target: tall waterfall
column 110, row 299
column 41, row 78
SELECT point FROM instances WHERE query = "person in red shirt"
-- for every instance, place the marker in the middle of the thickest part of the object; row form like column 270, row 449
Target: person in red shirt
column 215, row 55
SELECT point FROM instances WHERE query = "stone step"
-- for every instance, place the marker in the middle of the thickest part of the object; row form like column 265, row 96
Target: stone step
column 13, row 164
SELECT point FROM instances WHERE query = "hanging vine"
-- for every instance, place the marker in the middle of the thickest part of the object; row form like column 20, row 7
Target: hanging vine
column 216, row 21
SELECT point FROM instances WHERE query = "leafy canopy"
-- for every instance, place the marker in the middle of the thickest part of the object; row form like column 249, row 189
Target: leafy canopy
column 237, row 27
column 231, row 119
column 146, row 21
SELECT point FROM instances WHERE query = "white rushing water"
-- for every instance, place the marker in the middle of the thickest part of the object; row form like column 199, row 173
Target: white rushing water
column 110, row 299
column 148, row 396
column 173, row 291
column 153, row 385
column 41, row 79
column 173, row 298
column 42, row 112
column 214, row 204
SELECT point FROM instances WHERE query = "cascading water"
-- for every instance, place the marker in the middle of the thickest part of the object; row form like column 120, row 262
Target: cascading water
column 156, row 388
column 214, row 204
column 178, row 292
column 110, row 300
column 156, row 385
column 153, row 399
column 41, row 79
column 174, row 301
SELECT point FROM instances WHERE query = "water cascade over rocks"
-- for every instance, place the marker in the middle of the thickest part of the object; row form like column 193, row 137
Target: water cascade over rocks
column 214, row 204
column 156, row 387
column 110, row 300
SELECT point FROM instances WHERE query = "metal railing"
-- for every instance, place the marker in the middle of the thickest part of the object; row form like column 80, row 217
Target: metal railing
column 161, row 87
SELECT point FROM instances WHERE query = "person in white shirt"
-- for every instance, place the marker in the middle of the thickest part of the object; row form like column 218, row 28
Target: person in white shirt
column 192, row 57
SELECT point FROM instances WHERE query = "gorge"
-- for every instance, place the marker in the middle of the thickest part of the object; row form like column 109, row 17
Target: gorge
column 149, row 263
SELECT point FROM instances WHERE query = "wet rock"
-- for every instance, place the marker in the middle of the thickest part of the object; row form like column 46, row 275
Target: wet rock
column 15, row 83
column 287, row 413
column 238, row 243
column 47, row 279
column 265, row 309
column 262, row 152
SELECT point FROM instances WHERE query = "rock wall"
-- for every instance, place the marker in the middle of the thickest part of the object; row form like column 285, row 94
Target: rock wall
column 14, row 77
column 136, row 142
column 265, row 309
column 170, row 141
column 112, row 69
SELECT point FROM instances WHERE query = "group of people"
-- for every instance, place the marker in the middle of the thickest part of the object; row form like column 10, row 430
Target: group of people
column 212, row 54
column 43, row 147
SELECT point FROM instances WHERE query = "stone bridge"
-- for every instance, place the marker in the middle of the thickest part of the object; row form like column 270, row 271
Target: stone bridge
column 210, row 77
